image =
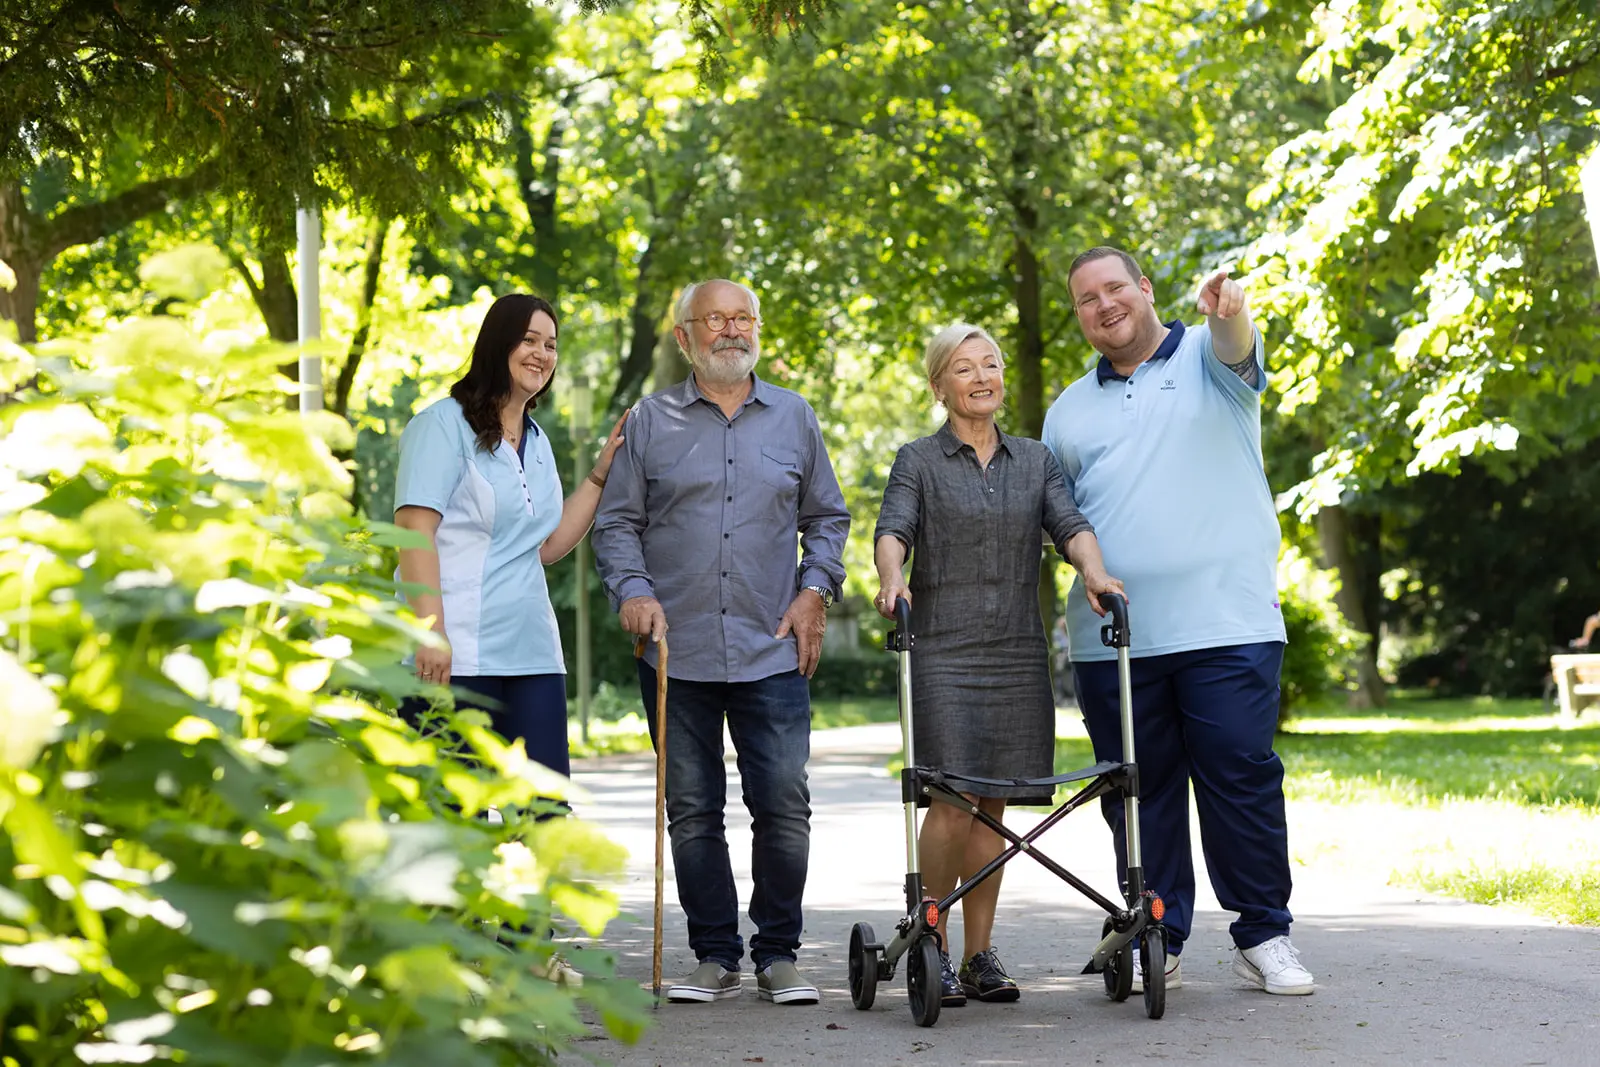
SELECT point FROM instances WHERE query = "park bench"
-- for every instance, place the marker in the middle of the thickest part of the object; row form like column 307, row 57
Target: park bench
column 1577, row 678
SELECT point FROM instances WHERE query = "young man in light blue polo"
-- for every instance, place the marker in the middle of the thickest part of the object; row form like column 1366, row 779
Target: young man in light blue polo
column 1161, row 445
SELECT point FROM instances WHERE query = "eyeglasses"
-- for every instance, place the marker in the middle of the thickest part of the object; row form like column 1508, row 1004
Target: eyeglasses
column 716, row 322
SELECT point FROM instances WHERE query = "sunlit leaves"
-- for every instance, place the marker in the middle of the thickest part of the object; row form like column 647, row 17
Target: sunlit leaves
column 214, row 824
column 1430, row 229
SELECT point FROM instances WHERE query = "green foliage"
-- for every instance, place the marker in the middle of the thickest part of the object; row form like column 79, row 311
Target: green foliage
column 1492, row 574
column 713, row 32
column 290, row 101
column 1427, row 259
column 841, row 677
column 1314, row 658
column 220, row 846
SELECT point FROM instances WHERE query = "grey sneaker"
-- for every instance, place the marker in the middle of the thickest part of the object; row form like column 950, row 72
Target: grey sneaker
column 710, row 981
column 780, row 982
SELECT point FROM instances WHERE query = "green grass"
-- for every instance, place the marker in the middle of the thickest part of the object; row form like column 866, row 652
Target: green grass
column 1570, row 895
column 1429, row 752
column 1496, row 793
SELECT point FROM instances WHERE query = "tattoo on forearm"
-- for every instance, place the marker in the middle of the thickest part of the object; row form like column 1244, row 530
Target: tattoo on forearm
column 1248, row 370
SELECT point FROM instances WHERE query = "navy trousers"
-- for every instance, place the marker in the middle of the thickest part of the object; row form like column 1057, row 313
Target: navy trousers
column 1206, row 716
column 532, row 707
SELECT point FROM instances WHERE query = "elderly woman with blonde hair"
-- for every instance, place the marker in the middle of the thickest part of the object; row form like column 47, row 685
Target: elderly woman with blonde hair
column 967, row 505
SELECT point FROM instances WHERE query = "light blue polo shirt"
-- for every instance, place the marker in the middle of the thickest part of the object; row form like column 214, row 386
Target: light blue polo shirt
column 496, row 514
column 1167, row 465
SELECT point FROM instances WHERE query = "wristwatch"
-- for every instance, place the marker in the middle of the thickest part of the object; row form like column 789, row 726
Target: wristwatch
column 825, row 593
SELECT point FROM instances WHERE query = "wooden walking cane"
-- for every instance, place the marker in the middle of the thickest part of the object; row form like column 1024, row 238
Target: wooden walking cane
column 661, row 806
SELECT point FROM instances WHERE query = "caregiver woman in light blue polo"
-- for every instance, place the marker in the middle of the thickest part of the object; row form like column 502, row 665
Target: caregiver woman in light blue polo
column 478, row 478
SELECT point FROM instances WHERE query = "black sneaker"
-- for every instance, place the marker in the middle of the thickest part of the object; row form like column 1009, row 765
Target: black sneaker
column 984, row 978
column 951, row 995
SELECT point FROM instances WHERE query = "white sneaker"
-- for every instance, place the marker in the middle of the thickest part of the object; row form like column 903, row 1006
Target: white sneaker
column 1174, row 972
column 1274, row 965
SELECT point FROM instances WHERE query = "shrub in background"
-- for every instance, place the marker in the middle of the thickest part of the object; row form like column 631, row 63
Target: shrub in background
column 1320, row 659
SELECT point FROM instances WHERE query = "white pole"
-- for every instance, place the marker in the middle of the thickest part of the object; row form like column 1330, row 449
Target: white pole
column 308, row 230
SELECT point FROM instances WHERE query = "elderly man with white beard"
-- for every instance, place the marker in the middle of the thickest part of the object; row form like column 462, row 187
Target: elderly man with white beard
column 714, row 478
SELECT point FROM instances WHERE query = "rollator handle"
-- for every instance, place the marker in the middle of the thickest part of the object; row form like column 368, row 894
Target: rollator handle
column 900, row 639
column 1115, row 633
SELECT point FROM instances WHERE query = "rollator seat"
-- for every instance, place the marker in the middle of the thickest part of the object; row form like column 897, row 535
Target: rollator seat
column 933, row 775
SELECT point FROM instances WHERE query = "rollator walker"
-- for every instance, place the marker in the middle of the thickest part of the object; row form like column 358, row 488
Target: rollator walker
column 1137, row 922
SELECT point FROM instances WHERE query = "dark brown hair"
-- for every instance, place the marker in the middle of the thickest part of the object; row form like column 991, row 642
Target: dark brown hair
column 487, row 383
column 1102, row 252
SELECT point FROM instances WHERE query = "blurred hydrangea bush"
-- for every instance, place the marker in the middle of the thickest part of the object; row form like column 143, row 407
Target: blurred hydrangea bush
column 220, row 845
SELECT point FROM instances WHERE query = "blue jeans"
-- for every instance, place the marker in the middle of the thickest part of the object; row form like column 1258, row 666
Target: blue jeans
column 1207, row 715
column 770, row 722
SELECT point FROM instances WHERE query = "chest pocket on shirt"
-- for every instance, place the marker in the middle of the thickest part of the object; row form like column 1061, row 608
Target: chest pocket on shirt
column 780, row 469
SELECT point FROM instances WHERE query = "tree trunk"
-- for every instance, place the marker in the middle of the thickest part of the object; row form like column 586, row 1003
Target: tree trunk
column 279, row 304
column 275, row 298
column 21, row 304
column 644, row 320
column 670, row 365
column 1350, row 547
column 369, row 295
column 538, row 183
column 1028, row 359
column 29, row 243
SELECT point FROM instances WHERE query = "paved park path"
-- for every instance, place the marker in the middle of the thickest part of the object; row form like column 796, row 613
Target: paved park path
column 1402, row 977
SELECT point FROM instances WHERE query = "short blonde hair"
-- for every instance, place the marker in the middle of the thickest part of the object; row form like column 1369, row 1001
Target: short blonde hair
column 944, row 344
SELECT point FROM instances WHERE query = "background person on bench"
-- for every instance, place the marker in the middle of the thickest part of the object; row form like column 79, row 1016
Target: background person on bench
column 969, row 502
column 1590, row 625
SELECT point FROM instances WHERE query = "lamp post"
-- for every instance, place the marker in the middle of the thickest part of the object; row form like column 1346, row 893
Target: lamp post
column 308, row 234
column 582, row 410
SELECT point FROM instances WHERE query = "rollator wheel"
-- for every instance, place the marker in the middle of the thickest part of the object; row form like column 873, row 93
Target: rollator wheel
column 1153, row 957
column 1119, row 969
column 863, row 966
column 923, row 978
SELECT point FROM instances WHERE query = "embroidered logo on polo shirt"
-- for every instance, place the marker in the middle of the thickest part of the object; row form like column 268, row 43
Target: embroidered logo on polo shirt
column 1168, row 384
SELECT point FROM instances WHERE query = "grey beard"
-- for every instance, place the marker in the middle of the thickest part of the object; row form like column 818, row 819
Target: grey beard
column 718, row 369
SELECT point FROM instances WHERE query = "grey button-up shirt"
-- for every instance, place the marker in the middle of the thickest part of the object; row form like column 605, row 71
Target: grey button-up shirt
column 702, row 512
column 974, row 533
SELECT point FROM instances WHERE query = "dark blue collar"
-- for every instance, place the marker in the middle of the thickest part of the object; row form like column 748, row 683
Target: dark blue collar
column 522, row 442
column 1104, row 372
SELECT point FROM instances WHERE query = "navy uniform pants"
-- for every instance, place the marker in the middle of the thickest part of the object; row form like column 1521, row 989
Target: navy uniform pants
column 1205, row 716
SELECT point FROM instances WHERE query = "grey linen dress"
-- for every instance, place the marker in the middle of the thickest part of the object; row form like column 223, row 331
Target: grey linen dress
column 980, row 673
